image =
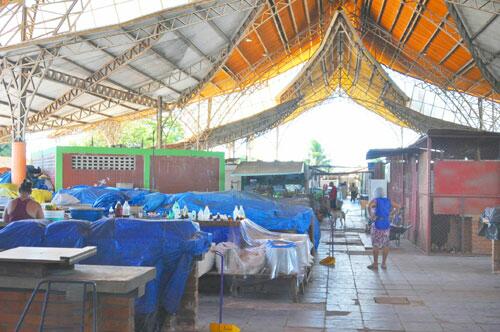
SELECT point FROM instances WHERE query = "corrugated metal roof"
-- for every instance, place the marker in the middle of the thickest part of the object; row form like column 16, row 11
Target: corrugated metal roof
column 167, row 53
column 447, row 43
column 261, row 168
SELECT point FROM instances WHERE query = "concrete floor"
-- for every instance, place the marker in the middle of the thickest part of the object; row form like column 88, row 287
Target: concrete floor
column 445, row 294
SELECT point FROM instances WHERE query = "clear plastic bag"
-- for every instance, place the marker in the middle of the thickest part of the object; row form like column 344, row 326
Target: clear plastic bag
column 266, row 253
column 253, row 235
column 240, row 261
column 281, row 258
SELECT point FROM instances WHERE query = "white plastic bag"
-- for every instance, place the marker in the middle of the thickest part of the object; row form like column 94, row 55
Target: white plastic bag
column 64, row 199
column 208, row 261
column 282, row 258
column 232, row 262
column 240, row 261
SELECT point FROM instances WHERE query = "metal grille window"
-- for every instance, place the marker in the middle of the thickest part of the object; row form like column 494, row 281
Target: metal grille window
column 95, row 162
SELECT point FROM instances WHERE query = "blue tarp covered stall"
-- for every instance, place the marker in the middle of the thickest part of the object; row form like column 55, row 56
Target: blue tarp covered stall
column 170, row 246
column 268, row 213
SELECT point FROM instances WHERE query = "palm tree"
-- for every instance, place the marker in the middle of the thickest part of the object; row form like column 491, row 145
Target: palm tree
column 317, row 154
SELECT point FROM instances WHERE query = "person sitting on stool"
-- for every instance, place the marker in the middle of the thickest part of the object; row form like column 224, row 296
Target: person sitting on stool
column 23, row 207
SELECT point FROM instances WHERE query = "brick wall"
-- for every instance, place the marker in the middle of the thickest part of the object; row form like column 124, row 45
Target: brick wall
column 115, row 313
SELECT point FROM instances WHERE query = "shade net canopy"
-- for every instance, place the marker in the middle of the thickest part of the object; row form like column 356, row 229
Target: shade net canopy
column 210, row 48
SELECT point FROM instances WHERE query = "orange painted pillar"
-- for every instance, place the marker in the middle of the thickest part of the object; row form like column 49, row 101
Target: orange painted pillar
column 18, row 162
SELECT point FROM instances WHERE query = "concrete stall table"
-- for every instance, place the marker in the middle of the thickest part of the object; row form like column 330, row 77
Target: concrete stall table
column 117, row 288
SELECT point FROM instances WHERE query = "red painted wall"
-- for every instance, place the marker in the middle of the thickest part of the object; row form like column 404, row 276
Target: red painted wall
column 466, row 187
column 73, row 177
column 171, row 174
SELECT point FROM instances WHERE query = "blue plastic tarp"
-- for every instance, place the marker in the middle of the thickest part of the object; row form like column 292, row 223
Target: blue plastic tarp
column 169, row 246
column 67, row 234
column 6, row 177
column 25, row 233
column 268, row 213
column 109, row 200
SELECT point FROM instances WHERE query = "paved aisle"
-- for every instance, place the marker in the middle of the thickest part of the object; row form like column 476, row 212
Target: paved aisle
column 444, row 294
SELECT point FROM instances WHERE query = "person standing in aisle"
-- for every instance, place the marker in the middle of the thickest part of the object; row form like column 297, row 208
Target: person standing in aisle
column 354, row 192
column 380, row 210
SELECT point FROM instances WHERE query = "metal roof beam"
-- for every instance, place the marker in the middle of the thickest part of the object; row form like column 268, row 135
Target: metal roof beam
column 321, row 12
column 306, row 9
column 484, row 27
column 130, row 66
column 75, row 117
column 450, row 52
column 487, row 74
column 202, row 54
column 415, row 17
column 102, row 73
column 434, row 34
column 292, row 15
column 219, row 63
column 99, row 89
column 379, row 17
column 223, row 35
column 31, row 110
column 488, row 6
column 398, row 13
column 279, row 25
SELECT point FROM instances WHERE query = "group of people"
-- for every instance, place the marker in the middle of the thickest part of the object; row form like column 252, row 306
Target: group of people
column 380, row 211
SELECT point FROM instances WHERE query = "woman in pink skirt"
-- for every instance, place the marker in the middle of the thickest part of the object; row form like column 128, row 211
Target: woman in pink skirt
column 380, row 210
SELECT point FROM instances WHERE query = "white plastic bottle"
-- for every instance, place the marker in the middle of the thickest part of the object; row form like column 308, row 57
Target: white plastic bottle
column 126, row 209
column 242, row 212
column 236, row 213
column 206, row 213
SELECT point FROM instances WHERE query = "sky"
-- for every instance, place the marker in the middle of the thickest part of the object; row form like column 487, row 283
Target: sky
column 344, row 129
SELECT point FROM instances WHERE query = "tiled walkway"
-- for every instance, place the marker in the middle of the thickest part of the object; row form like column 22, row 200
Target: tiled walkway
column 445, row 294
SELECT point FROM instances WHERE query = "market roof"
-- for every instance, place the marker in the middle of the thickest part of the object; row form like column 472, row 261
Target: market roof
column 263, row 168
column 337, row 170
column 254, row 126
column 379, row 153
column 214, row 47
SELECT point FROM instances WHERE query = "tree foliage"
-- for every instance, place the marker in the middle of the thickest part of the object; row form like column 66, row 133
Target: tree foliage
column 139, row 133
column 317, row 155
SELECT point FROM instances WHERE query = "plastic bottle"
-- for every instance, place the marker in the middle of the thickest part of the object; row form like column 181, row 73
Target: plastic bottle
column 206, row 213
column 126, row 209
column 176, row 210
column 242, row 213
column 236, row 213
column 118, row 209
column 185, row 212
column 200, row 216
column 110, row 211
